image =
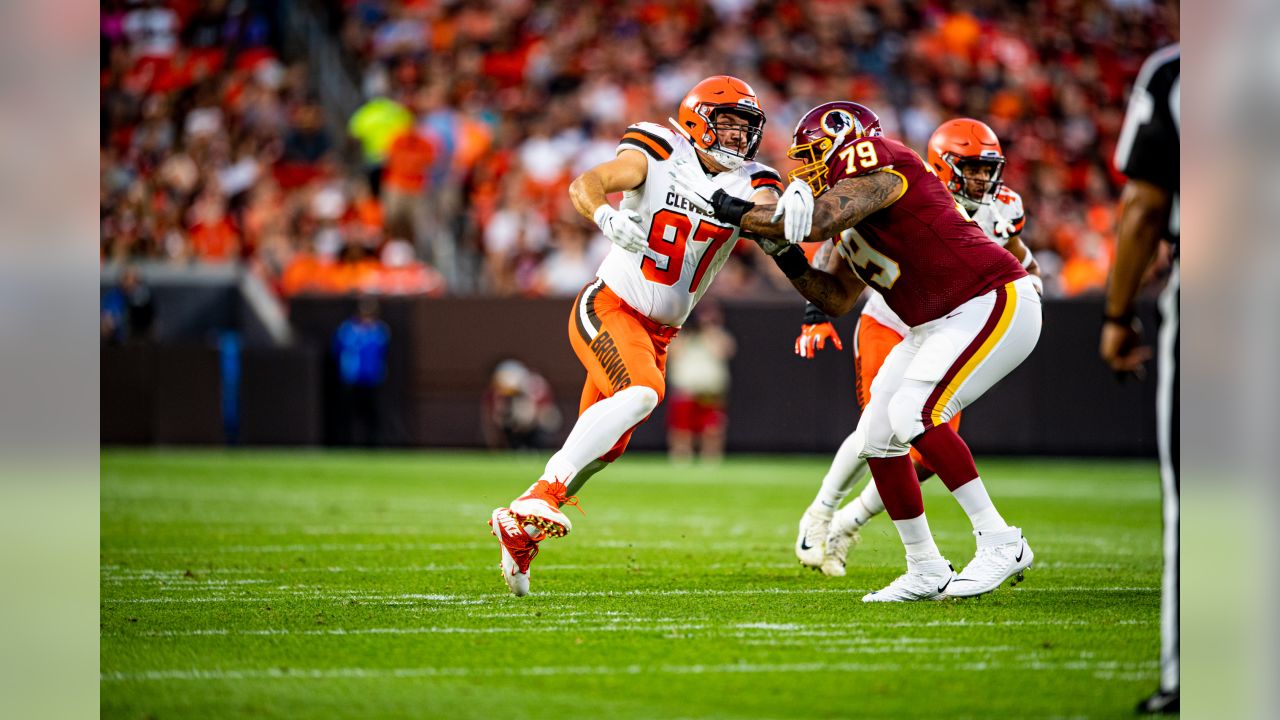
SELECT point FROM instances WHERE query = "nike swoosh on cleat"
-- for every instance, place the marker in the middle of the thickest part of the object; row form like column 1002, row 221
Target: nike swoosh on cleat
column 943, row 588
column 1021, row 551
column 806, row 546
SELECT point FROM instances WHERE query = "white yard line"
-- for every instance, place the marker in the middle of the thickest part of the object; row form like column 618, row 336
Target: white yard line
column 616, row 623
column 206, row 577
column 1110, row 545
column 289, row 594
column 219, row 674
column 141, row 574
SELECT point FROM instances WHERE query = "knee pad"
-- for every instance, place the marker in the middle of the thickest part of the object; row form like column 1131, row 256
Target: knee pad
column 640, row 400
column 904, row 411
column 876, row 440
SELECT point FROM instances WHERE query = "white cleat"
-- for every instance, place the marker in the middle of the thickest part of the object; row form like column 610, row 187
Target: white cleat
column 1001, row 555
column 518, row 549
column 839, row 543
column 811, row 542
column 929, row 580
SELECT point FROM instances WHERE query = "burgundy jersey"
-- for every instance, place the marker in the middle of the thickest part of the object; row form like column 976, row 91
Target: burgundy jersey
column 922, row 253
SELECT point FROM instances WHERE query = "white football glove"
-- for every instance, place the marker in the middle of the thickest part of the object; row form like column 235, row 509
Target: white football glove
column 622, row 227
column 1003, row 228
column 795, row 208
column 692, row 183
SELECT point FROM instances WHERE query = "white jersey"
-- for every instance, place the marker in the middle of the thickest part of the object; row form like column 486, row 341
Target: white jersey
column 1002, row 219
column 686, row 248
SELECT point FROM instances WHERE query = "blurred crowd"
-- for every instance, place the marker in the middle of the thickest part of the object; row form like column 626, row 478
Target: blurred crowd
column 452, row 175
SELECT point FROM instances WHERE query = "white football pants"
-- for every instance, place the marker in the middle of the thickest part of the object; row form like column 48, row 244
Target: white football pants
column 942, row 366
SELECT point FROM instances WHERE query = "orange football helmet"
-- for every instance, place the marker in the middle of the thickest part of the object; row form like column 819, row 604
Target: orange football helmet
column 700, row 122
column 968, row 145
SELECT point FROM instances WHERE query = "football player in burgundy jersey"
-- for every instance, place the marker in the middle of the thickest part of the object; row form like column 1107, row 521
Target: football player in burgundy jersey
column 972, row 309
column 967, row 157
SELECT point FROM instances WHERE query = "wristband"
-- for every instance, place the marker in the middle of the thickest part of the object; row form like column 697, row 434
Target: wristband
column 1124, row 318
column 728, row 208
column 601, row 214
column 814, row 316
column 1026, row 261
column 792, row 262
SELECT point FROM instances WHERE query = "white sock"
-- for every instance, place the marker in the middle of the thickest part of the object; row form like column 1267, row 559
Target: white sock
column 849, row 518
column 860, row 511
column 870, row 498
column 845, row 472
column 977, row 504
column 917, row 540
column 598, row 429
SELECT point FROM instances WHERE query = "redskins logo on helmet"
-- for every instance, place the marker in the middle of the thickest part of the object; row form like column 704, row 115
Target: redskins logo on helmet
column 838, row 122
column 702, row 120
column 967, row 157
column 821, row 132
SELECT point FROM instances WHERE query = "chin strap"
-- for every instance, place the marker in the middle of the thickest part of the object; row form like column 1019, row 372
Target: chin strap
column 834, row 144
column 729, row 165
column 679, row 128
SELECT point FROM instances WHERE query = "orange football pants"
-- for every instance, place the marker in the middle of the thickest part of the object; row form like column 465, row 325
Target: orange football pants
column 871, row 346
column 619, row 347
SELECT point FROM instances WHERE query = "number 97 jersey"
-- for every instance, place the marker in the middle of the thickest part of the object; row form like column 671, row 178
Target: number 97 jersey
column 686, row 248
column 923, row 253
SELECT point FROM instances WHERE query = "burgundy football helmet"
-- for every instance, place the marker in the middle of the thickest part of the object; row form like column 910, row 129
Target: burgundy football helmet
column 821, row 132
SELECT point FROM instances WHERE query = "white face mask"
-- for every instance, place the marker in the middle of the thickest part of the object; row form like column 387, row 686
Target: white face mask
column 730, row 161
column 727, row 160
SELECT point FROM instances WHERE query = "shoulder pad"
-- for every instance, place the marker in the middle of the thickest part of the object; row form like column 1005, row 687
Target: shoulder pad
column 1011, row 208
column 865, row 155
column 763, row 176
column 650, row 138
column 1008, row 196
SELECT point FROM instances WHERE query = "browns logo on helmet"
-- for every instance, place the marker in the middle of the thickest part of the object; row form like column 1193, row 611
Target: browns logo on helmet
column 966, row 155
column 824, row 130
column 707, row 117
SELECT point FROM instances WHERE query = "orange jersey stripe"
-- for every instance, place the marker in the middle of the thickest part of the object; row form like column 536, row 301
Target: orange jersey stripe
column 654, row 148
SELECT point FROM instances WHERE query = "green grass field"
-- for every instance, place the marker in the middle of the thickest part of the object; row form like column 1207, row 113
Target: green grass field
column 328, row 585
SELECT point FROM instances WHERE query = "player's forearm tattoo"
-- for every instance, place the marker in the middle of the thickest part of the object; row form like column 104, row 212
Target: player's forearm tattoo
column 851, row 201
column 758, row 220
column 824, row 290
column 843, row 206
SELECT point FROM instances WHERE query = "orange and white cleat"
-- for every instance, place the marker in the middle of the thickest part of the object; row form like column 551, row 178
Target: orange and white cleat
column 540, row 507
column 518, row 549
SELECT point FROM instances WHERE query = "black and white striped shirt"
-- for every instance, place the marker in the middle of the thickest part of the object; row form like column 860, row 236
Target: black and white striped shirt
column 1148, row 145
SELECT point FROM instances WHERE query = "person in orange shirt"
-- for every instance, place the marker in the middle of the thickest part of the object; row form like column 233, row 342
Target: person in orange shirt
column 308, row 272
column 1086, row 268
column 405, row 182
column 400, row 273
column 213, row 237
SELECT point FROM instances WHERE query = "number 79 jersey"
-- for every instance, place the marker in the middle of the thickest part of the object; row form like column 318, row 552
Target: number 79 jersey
column 923, row 253
column 686, row 248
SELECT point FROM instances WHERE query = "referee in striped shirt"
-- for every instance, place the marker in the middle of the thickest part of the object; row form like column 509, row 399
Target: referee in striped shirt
column 1147, row 153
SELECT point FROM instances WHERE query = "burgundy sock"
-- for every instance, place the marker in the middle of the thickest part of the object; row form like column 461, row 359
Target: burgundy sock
column 947, row 453
column 895, row 478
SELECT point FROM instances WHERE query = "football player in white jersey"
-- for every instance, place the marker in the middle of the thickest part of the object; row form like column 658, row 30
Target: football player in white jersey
column 966, row 156
column 665, row 255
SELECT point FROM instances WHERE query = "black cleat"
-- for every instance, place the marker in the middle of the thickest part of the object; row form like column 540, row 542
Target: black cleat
column 1162, row 702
